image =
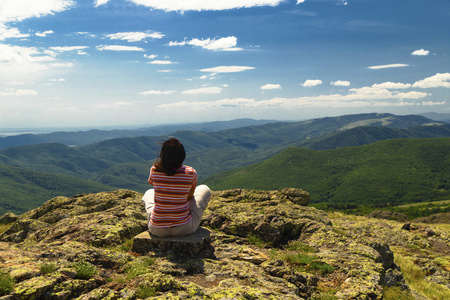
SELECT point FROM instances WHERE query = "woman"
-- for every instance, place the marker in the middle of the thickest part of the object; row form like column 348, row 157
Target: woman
column 175, row 205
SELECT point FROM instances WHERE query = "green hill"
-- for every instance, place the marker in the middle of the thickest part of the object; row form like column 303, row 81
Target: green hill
column 124, row 162
column 389, row 172
column 23, row 190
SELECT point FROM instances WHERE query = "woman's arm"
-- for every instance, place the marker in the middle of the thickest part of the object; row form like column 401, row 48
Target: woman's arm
column 191, row 192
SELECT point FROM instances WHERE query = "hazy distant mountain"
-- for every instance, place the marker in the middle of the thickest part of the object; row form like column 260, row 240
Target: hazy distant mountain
column 96, row 135
column 440, row 117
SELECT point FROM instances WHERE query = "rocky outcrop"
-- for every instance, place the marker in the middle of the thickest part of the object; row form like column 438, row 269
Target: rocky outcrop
column 267, row 245
column 197, row 244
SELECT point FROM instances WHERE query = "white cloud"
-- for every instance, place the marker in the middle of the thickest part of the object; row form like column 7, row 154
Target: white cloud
column 392, row 85
column 271, row 87
column 63, row 65
column 227, row 69
column 153, row 92
column 44, row 34
column 19, row 92
column 135, row 36
column 365, row 97
column 388, row 66
column 118, row 48
column 199, row 5
column 222, row 44
column 58, row 80
column 435, row 81
column 312, row 82
column 421, row 52
column 101, row 2
column 17, row 54
column 7, row 32
column 204, row 90
column 79, row 49
column 300, row 1
column 150, row 56
column 161, row 62
column 18, row 10
column 340, row 83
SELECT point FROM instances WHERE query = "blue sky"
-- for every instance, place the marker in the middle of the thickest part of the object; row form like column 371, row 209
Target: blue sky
column 129, row 62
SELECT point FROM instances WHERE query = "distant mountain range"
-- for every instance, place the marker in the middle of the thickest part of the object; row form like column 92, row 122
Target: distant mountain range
column 78, row 138
column 124, row 162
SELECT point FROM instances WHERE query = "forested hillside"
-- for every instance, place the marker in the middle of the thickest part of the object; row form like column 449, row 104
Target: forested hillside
column 385, row 173
column 22, row 190
column 125, row 162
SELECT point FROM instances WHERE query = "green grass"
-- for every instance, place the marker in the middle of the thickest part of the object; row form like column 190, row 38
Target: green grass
column 84, row 269
column 138, row 267
column 6, row 283
column 48, row 267
column 256, row 240
column 415, row 278
column 396, row 293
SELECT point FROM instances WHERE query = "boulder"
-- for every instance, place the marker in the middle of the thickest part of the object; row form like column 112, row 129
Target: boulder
column 8, row 218
column 197, row 244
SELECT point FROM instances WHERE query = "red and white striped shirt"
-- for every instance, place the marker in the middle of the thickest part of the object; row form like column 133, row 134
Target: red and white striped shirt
column 171, row 208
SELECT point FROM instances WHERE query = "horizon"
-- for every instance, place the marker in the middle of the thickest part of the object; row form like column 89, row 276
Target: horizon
column 123, row 63
column 5, row 132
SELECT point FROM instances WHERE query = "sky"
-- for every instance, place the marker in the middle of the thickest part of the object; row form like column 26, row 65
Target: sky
column 95, row 63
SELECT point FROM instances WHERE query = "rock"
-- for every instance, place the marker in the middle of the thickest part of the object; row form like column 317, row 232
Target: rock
column 406, row 226
column 388, row 215
column 197, row 244
column 8, row 218
column 271, row 216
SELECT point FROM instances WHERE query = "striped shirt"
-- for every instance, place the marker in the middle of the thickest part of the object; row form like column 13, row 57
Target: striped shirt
column 171, row 207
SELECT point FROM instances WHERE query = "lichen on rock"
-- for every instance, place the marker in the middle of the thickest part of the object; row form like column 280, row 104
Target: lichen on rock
column 267, row 245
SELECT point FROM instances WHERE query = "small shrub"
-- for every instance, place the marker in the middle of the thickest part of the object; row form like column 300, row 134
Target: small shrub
column 320, row 266
column 299, row 258
column 299, row 246
column 256, row 240
column 139, row 267
column 6, row 283
column 145, row 292
column 48, row 267
column 84, row 269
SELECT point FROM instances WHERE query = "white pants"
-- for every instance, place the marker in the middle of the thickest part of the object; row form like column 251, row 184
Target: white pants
column 197, row 205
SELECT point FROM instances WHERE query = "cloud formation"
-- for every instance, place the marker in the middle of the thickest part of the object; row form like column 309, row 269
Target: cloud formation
column 227, row 69
column 340, row 83
column 118, row 48
column 161, row 62
column 388, row 66
column 435, row 81
column 7, row 33
column 154, row 92
column 392, row 85
column 135, row 36
column 222, row 44
column 271, row 87
column 312, row 82
column 204, row 90
column 421, row 52
column 199, row 5
column 18, row 10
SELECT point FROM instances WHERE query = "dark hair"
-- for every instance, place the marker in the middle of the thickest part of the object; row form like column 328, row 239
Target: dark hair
column 171, row 157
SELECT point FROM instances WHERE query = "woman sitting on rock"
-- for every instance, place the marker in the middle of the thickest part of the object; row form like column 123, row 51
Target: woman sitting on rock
column 175, row 205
